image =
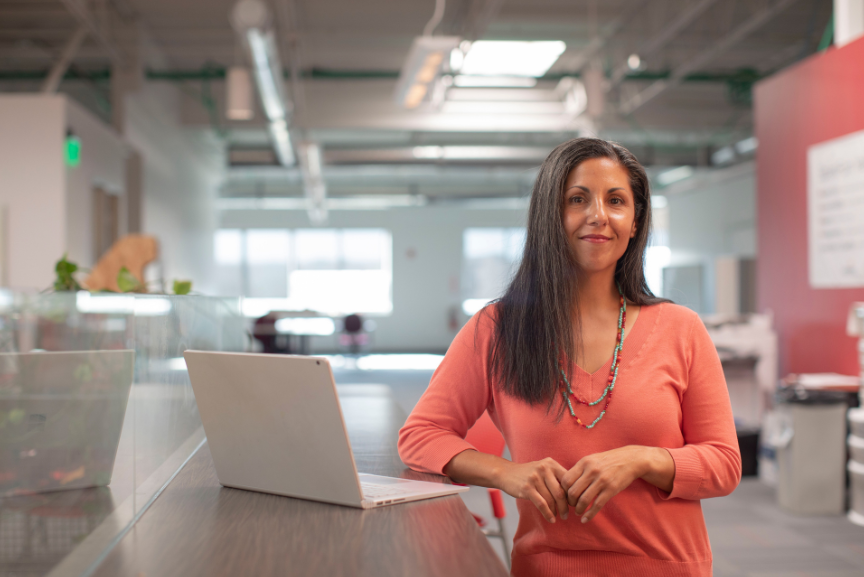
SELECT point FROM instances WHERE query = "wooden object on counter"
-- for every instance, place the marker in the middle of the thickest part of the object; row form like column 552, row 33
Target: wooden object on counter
column 134, row 251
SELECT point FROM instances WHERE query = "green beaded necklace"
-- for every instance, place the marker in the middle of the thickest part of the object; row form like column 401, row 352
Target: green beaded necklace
column 567, row 391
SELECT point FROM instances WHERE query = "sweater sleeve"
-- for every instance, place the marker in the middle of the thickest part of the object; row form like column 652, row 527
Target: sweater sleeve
column 709, row 463
column 457, row 395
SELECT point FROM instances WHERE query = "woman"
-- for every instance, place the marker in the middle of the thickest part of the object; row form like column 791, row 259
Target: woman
column 604, row 486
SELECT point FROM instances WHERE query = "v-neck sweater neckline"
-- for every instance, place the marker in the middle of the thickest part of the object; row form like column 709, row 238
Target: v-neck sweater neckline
column 643, row 326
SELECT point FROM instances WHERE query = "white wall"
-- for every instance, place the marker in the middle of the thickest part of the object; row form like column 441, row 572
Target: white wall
column 103, row 155
column 712, row 220
column 182, row 170
column 426, row 286
column 32, row 187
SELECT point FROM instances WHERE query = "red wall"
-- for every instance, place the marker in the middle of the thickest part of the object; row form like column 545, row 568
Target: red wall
column 816, row 100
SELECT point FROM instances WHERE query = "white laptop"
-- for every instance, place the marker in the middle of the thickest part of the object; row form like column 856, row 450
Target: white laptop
column 274, row 424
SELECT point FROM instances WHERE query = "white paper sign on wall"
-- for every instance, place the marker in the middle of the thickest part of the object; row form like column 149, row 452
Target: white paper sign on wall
column 835, row 212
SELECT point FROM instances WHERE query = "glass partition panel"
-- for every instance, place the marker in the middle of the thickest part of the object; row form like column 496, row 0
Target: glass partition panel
column 96, row 415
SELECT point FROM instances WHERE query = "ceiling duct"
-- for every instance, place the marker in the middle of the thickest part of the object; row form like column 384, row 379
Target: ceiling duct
column 251, row 20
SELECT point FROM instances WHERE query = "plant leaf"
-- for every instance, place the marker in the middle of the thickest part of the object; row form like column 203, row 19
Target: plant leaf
column 182, row 287
column 127, row 282
column 65, row 280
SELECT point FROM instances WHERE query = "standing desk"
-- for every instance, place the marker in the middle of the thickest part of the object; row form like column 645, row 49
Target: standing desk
column 198, row 528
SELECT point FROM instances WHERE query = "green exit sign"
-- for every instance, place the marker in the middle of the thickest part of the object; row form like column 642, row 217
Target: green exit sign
column 73, row 150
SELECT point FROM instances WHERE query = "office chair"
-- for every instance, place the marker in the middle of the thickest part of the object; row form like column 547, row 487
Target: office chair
column 486, row 438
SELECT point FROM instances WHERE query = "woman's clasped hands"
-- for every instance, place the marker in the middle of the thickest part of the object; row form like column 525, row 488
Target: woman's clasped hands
column 590, row 484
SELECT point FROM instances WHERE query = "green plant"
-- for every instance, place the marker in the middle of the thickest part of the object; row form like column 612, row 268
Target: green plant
column 65, row 280
column 182, row 287
column 129, row 283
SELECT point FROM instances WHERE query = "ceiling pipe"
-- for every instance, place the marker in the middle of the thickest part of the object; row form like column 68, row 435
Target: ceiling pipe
column 742, row 31
column 660, row 40
column 82, row 14
column 251, row 20
column 52, row 81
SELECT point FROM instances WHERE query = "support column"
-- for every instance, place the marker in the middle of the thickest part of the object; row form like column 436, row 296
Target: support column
column 848, row 21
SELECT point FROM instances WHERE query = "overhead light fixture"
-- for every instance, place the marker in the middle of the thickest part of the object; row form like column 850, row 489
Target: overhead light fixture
column 573, row 94
column 251, row 19
column 747, row 145
column 674, row 175
column 421, row 68
column 464, row 81
column 239, row 94
column 313, row 182
column 723, row 156
column 634, row 62
column 511, row 58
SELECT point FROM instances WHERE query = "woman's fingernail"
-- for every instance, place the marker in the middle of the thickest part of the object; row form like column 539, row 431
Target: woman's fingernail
column 584, row 519
column 564, row 516
column 552, row 520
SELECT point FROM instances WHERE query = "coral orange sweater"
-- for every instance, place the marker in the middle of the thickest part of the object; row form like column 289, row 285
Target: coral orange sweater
column 670, row 393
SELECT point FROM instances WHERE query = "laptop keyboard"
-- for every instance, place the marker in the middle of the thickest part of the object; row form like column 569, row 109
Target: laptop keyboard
column 372, row 491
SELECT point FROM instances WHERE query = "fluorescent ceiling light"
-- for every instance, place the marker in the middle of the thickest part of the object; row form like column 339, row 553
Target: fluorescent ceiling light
column 674, row 175
column 262, row 48
column 313, row 182
column 537, row 153
column 463, row 80
column 747, row 145
column 251, row 20
column 723, row 155
column 421, row 68
column 506, row 58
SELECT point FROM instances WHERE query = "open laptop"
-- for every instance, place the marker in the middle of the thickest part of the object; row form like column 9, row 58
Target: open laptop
column 274, row 425
column 61, row 414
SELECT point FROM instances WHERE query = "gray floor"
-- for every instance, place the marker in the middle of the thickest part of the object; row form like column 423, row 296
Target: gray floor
column 750, row 535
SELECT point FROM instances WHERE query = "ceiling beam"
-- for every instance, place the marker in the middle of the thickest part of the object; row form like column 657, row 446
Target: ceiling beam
column 82, row 14
column 662, row 38
column 739, row 33
column 599, row 41
column 52, row 81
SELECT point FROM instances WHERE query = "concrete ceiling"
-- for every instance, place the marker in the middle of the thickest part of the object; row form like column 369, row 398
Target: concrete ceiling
column 347, row 54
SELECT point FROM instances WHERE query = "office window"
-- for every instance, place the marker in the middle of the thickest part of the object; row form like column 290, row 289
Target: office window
column 658, row 255
column 332, row 271
column 490, row 256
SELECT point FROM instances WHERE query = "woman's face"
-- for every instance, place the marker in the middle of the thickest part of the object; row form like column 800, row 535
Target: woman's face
column 599, row 213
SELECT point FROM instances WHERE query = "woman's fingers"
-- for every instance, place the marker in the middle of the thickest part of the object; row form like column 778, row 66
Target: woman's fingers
column 578, row 487
column 599, row 501
column 542, row 505
column 587, row 497
column 554, row 487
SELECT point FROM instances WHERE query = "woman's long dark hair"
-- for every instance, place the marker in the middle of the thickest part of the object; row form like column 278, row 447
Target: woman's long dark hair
column 535, row 316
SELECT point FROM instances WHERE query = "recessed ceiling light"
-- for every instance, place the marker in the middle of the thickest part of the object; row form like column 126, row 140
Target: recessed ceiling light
column 511, row 58
column 634, row 62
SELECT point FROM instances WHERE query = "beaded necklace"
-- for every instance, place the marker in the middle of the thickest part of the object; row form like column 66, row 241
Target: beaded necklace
column 567, row 391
